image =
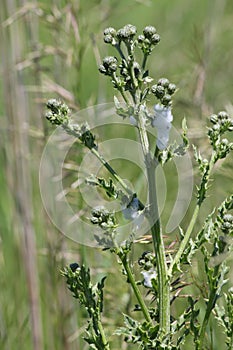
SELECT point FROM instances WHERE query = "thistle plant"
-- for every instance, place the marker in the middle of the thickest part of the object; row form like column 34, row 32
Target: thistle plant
column 162, row 267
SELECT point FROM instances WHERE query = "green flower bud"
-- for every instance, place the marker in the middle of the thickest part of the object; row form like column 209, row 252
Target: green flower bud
column 102, row 69
column 164, row 82
column 230, row 128
column 103, row 218
column 225, row 142
column 108, row 39
column 50, row 116
column 147, row 42
column 147, row 260
column 110, row 31
column 109, row 65
column 216, row 127
column 58, row 112
column 109, row 61
column 228, row 217
column 227, row 225
column 214, row 118
column 149, row 31
column 127, row 32
column 141, row 38
column 155, row 39
column 74, row 267
column 171, row 88
column 166, row 100
column 223, row 115
column 158, row 91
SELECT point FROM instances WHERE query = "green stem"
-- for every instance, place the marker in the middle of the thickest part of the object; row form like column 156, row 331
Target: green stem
column 213, row 295
column 112, row 171
column 104, row 339
column 120, row 88
column 117, row 46
column 163, row 282
column 202, row 194
column 144, row 61
column 125, row 263
column 184, row 241
column 209, row 308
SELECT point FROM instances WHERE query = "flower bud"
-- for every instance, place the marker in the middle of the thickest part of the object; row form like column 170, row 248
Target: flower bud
column 228, row 217
column 155, row 39
column 58, row 112
column 164, row 82
column 141, row 38
column 216, row 127
column 110, row 31
column 109, row 65
column 149, row 31
column 158, row 91
column 127, row 32
column 214, row 118
column 108, row 39
column 230, row 128
column 225, row 142
column 171, row 88
column 102, row 69
column 166, row 100
column 223, row 115
column 74, row 266
column 227, row 225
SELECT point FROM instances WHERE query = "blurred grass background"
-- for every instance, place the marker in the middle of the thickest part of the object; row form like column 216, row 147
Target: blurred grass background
column 51, row 49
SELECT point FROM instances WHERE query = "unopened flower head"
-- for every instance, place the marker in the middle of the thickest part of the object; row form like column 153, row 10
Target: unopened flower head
column 126, row 33
column 162, row 120
column 58, row 112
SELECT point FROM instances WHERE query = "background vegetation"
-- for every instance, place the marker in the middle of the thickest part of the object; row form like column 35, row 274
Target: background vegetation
column 51, row 49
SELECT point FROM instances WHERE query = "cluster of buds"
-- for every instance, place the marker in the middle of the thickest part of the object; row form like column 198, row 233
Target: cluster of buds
column 58, row 112
column 148, row 40
column 164, row 90
column 221, row 124
column 109, row 65
column 126, row 73
column 103, row 218
column 145, row 41
column 147, row 260
column 125, row 34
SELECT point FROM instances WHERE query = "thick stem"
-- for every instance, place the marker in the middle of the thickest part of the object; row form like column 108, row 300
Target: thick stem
column 163, row 281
